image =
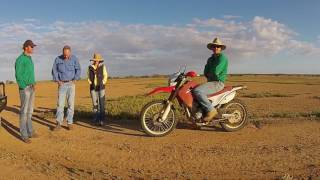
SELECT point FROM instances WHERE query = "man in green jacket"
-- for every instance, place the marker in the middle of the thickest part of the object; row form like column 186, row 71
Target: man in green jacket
column 216, row 73
column 24, row 72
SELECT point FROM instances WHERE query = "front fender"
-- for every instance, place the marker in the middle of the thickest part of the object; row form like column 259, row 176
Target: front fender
column 161, row 89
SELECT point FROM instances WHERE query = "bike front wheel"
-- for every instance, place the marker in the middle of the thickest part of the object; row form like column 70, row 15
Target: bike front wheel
column 152, row 122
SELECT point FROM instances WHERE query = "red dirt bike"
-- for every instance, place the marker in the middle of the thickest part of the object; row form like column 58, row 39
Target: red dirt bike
column 158, row 117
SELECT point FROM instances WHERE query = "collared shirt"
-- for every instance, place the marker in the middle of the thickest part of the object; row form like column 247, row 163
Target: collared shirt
column 24, row 71
column 216, row 68
column 66, row 69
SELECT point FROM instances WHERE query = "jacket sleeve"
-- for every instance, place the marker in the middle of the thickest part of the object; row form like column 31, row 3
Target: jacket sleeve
column 89, row 76
column 55, row 75
column 206, row 69
column 105, row 75
column 19, row 67
column 223, row 63
column 77, row 69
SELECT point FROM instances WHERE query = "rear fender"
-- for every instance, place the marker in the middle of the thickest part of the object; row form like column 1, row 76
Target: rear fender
column 228, row 96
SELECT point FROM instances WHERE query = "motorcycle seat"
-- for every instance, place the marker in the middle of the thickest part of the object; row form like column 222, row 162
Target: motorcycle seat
column 225, row 89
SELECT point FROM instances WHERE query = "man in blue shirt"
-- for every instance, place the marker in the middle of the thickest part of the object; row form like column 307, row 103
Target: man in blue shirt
column 65, row 71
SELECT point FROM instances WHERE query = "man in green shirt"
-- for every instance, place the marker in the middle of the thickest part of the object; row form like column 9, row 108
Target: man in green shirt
column 24, row 72
column 216, row 73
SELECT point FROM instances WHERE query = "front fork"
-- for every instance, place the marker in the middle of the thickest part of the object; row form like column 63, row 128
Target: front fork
column 166, row 111
column 169, row 102
column 168, row 105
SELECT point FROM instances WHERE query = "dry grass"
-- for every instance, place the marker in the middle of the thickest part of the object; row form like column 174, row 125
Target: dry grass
column 266, row 95
column 121, row 108
column 129, row 107
column 286, row 114
column 287, row 177
column 264, row 99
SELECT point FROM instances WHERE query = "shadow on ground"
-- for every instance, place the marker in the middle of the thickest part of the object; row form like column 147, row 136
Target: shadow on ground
column 112, row 124
column 10, row 128
column 125, row 123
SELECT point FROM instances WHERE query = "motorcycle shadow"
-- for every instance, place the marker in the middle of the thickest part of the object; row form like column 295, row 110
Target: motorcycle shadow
column 187, row 125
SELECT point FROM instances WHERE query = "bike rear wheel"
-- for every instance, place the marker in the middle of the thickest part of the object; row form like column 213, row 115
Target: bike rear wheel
column 238, row 115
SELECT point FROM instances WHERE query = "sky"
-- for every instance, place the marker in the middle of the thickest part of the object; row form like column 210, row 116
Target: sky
column 145, row 37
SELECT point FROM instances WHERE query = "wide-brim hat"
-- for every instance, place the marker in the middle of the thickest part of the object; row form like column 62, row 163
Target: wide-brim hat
column 216, row 42
column 97, row 57
column 29, row 43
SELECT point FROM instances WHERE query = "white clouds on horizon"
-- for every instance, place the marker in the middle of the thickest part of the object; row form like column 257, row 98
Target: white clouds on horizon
column 227, row 16
column 147, row 49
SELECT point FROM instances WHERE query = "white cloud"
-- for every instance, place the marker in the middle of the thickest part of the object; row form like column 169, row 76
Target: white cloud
column 268, row 29
column 230, row 16
column 226, row 25
column 31, row 20
column 261, row 36
column 147, row 49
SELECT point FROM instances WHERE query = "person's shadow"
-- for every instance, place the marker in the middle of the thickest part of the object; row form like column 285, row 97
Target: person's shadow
column 113, row 124
column 10, row 128
column 35, row 118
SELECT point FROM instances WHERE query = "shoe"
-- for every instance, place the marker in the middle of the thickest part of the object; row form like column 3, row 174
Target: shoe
column 70, row 127
column 34, row 135
column 210, row 115
column 194, row 126
column 57, row 128
column 26, row 140
column 101, row 123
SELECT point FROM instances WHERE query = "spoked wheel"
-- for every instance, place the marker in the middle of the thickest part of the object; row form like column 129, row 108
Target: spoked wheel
column 151, row 120
column 236, row 114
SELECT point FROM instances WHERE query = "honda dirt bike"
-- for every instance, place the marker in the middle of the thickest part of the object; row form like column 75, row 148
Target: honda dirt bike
column 158, row 117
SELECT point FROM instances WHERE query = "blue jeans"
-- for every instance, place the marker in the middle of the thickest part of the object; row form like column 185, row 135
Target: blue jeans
column 66, row 92
column 26, row 110
column 98, row 102
column 205, row 89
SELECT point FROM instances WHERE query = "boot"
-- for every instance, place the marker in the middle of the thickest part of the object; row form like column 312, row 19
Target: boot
column 70, row 127
column 26, row 140
column 34, row 135
column 194, row 126
column 210, row 115
column 57, row 128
